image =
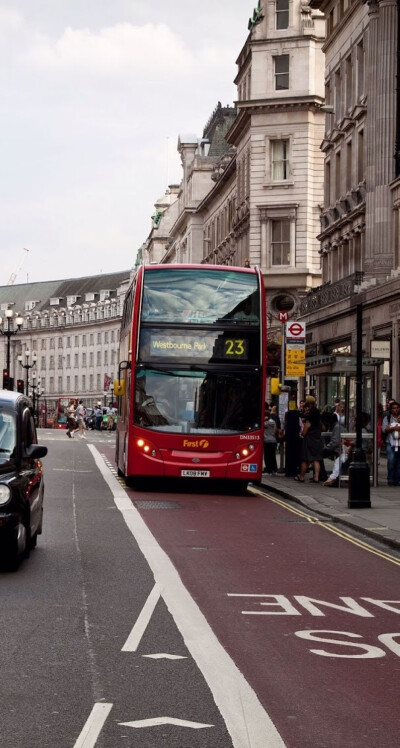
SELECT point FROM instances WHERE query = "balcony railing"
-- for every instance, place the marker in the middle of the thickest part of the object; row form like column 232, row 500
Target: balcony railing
column 330, row 293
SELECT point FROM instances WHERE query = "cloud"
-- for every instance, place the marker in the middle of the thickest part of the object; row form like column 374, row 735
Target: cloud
column 91, row 115
column 123, row 49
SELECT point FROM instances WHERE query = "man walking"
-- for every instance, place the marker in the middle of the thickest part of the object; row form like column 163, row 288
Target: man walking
column 80, row 414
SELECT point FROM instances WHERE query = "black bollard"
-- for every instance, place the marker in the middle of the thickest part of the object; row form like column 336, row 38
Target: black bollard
column 359, row 486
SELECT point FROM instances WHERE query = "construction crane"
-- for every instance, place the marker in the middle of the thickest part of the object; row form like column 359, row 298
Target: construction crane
column 13, row 275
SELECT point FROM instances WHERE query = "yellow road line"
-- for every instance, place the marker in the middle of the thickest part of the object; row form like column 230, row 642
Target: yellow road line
column 323, row 523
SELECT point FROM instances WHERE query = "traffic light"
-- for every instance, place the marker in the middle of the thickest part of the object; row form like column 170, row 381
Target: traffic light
column 6, row 379
column 20, row 385
column 276, row 386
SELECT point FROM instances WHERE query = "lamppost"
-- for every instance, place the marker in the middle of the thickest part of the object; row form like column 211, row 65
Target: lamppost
column 27, row 365
column 35, row 395
column 359, row 486
column 41, row 422
column 7, row 328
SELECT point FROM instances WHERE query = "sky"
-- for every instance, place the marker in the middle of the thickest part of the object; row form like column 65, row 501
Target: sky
column 93, row 97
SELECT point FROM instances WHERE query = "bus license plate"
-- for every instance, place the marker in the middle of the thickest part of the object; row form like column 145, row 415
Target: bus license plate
column 195, row 473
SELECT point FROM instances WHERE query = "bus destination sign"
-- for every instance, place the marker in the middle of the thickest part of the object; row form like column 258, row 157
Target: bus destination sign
column 204, row 347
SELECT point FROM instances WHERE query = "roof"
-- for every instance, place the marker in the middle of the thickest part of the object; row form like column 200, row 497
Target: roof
column 42, row 292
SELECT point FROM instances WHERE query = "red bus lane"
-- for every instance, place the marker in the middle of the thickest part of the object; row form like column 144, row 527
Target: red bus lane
column 311, row 619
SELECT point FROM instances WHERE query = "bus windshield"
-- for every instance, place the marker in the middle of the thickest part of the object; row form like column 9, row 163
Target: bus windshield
column 200, row 296
column 197, row 401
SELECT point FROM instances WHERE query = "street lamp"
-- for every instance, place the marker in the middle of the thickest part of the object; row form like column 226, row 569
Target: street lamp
column 7, row 328
column 27, row 365
column 40, row 393
column 35, row 395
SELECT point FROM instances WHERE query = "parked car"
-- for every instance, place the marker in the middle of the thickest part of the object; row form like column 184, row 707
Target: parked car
column 21, row 479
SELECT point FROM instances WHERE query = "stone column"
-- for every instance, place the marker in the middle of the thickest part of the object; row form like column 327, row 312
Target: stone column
column 381, row 133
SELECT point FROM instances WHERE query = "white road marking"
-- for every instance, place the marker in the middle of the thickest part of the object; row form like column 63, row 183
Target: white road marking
column 247, row 721
column 140, row 626
column 70, row 470
column 164, row 656
column 93, row 726
column 165, row 721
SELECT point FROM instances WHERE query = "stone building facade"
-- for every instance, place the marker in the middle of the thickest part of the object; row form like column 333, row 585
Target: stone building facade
column 252, row 185
column 73, row 327
column 359, row 232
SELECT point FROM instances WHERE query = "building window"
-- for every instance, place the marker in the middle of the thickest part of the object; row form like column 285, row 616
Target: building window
column 83, row 383
column 51, row 384
column 360, row 69
column 327, row 182
column 106, row 336
column 91, row 339
column 281, row 63
column 68, row 384
column 76, row 383
column 98, row 381
column 76, row 341
column 44, row 344
column 68, row 342
column 60, row 342
column 51, row 365
column 105, row 358
column 84, row 359
column 68, row 361
column 280, row 242
column 279, row 160
column 282, row 14
column 76, row 360
column 98, row 358
column 83, row 339
column 360, row 156
column 60, row 362
column 60, row 384
column 43, row 363
column 52, row 346
column 99, row 337
column 91, row 382
column 91, row 359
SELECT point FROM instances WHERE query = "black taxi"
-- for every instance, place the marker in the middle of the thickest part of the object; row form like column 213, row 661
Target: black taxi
column 21, row 479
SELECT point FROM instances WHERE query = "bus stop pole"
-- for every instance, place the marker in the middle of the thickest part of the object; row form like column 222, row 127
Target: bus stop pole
column 359, row 486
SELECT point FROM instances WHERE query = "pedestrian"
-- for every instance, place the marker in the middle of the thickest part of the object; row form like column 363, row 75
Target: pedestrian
column 311, row 445
column 71, row 421
column 110, row 418
column 391, row 427
column 80, row 414
column 291, row 431
column 333, row 449
column 270, row 442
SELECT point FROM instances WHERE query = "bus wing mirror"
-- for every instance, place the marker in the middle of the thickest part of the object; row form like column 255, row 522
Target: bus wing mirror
column 119, row 387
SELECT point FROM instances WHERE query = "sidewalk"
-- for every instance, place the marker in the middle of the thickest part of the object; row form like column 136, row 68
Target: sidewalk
column 381, row 521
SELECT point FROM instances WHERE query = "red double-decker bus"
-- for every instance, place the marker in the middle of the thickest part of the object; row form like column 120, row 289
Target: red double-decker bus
column 191, row 381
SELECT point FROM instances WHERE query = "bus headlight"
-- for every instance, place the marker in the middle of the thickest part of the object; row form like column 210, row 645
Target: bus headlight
column 244, row 452
column 5, row 493
column 147, row 447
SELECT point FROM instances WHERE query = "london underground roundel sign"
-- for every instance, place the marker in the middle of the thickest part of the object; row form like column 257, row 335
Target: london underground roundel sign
column 295, row 329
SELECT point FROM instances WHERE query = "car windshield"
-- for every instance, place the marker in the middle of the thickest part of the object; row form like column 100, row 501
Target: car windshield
column 7, row 435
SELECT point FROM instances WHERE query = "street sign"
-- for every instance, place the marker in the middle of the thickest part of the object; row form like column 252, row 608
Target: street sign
column 295, row 329
column 283, row 316
column 295, row 362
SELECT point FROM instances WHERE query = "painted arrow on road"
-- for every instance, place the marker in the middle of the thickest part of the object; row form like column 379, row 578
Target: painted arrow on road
column 165, row 721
